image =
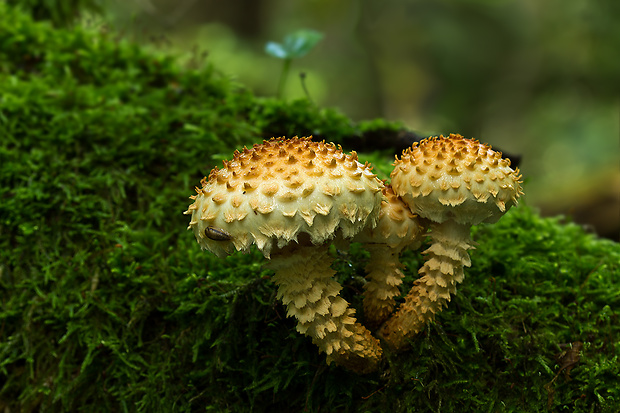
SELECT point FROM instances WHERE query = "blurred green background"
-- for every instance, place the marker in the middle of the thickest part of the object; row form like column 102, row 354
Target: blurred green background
column 535, row 78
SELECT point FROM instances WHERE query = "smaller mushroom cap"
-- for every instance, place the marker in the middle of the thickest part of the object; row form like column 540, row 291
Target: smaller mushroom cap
column 270, row 194
column 443, row 178
column 397, row 226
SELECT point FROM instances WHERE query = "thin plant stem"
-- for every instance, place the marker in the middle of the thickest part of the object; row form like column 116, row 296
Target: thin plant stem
column 283, row 76
column 302, row 77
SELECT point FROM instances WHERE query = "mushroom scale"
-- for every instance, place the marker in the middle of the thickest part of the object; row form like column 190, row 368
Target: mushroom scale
column 454, row 183
column 291, row 197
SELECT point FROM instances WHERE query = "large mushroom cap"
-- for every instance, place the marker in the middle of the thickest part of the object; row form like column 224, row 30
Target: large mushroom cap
column 279, row 189
column 452, row 177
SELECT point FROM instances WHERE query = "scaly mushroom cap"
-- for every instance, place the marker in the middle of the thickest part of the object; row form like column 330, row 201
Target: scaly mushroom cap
column 278, row 189
column 397, row 226
column 470, row 180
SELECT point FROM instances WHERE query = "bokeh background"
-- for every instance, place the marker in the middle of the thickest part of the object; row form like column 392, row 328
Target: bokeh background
column 540, row 79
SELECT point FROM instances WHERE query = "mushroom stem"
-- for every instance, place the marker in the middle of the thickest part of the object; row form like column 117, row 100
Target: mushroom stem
column 440, row 274
column 384, row 277
column 306, row 287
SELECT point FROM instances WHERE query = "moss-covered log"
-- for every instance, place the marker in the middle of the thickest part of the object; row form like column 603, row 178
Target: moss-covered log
column 108, row 304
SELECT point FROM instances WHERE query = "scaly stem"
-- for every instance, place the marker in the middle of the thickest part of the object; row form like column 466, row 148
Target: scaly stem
column 384, row 277
column 440, row 274
column 306, row 287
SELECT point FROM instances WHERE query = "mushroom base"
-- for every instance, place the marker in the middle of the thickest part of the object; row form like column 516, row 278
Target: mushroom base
column 440, row 274
column 306, row 287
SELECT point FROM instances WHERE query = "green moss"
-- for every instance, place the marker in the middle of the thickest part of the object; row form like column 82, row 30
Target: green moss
column 108, row 304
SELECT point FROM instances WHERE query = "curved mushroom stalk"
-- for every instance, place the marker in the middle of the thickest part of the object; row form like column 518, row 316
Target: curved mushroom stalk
column 441, row 272
column 306, row 287
column 384, row 277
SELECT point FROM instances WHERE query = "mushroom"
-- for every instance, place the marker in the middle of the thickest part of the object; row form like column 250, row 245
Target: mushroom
column 291, row 197
column 397, row 228
column 454, row 183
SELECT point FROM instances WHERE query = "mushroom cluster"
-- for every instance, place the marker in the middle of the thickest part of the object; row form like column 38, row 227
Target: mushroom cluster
column 293, row 197
column 452, row 183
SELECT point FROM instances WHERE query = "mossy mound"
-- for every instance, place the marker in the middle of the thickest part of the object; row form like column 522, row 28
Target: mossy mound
column 108, row 304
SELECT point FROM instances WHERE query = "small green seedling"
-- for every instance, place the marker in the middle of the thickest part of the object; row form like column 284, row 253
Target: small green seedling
column 294, row 46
